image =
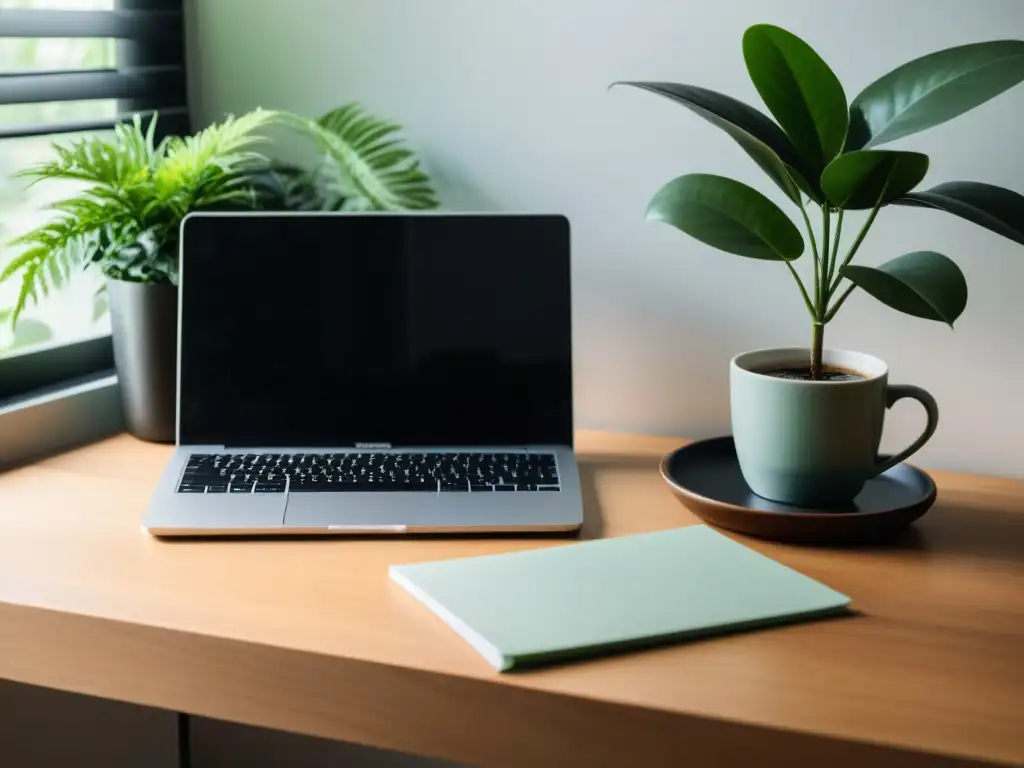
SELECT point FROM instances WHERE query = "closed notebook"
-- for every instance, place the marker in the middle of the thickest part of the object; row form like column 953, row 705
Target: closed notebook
column 554, row 604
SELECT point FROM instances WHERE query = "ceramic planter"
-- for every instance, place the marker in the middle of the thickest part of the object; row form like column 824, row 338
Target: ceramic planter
column 815, row 443
column 144, row 322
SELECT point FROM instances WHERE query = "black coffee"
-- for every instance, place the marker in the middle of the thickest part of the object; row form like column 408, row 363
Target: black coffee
column 829, row 373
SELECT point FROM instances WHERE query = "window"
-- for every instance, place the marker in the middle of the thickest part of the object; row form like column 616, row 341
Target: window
column 68, row 67
column 77, row 311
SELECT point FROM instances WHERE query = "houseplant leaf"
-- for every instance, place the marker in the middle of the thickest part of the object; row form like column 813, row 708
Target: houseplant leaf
column 31, row 332
column 994, row 208
column 365, row 160
column 860, row 179
column 727, row 215
column 800, row 90
column 923, row 284
column 133, row 186
column 759, row 137
column 933, row 89
column 100, row 304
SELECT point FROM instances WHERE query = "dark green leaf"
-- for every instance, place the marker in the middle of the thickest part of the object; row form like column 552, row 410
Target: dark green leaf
column 800, row 90
column 727, row 215
column 923, row 284
column 759, row 137
column 933, row 89
column 1000, row 210
column 860, row 179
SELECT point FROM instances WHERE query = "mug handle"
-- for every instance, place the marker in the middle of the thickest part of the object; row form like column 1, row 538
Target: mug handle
column 895, row 393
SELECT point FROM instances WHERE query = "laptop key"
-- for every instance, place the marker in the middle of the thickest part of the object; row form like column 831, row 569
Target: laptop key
column 480, row 487
column 548, row 488
column 217, row 488
column 240, row 488
column 504, row 487
column 191, row 488
column 269, row 488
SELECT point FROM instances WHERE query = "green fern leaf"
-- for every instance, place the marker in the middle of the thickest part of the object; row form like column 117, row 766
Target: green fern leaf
column 26, row 292
column 56, row 272
column 365, row 161
column 127, row 219
column 224, row 144
column 20, row 262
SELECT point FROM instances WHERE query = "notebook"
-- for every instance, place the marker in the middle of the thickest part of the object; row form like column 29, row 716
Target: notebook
column 576, row 600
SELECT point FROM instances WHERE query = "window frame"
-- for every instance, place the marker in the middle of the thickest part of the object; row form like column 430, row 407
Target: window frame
column 58, row 395
column 52, row 365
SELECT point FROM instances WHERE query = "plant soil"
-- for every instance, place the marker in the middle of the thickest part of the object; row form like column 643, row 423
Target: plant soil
column 828, row 373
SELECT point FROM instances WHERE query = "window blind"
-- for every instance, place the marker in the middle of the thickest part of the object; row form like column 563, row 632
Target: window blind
column 149, row 74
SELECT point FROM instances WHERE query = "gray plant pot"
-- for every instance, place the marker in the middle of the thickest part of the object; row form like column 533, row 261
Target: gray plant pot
column 144, row 323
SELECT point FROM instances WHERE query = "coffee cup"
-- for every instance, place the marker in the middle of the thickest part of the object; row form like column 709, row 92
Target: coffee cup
column 814, row 443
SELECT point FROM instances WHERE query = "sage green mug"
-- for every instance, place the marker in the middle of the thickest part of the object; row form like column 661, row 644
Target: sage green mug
column 815, row 443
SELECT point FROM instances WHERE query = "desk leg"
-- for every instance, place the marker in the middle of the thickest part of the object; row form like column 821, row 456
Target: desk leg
column 184, row 741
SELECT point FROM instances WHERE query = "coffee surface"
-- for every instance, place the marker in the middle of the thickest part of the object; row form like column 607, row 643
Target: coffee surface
column 804, row 374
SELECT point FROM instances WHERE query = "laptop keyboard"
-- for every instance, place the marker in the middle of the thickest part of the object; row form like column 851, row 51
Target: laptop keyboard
column 334, row 472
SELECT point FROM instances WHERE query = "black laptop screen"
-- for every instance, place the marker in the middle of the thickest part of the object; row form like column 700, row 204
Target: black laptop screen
column 413, row 330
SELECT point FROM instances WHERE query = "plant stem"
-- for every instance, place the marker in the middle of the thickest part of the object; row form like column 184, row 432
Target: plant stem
column 838, row 304
column 817, row 343
column 835, row 248
column 822, row 297
column 817, row 265
column 826, row 223
column 853, row 250
column 838, row 275
column 803, row 290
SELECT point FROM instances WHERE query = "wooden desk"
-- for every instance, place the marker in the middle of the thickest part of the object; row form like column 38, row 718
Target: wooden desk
column 310, row 636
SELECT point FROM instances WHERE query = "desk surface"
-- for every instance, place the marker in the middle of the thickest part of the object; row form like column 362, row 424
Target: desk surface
column 310, row 636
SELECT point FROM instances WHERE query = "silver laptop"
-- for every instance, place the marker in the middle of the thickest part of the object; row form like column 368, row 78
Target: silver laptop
column 372, row 373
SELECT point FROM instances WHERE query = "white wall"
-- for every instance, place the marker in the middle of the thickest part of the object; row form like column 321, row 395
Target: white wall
column 506, row 100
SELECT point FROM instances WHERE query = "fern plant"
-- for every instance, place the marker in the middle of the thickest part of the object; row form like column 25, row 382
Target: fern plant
column 126, row 220
column 363, row 166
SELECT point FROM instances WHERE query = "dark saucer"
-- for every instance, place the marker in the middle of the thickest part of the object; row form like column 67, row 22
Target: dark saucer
column 706, row 478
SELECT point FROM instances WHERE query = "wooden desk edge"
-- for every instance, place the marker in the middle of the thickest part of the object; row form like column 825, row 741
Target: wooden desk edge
column 464, row 719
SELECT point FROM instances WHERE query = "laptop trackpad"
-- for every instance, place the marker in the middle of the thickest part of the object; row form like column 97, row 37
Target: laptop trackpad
column 322, row 510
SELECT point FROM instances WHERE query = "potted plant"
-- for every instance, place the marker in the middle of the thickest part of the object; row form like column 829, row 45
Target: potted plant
column 127, row 219
column 807, row 423
column 363, row 166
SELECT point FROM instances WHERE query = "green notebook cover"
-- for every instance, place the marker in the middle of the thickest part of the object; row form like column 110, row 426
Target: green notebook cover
column 547, row 605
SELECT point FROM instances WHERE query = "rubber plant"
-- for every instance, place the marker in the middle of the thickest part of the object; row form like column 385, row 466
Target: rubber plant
column 823, row 154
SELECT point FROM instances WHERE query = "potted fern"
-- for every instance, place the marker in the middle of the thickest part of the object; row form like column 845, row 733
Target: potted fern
column 807, row 422
column 127, row 218
column 363, row 166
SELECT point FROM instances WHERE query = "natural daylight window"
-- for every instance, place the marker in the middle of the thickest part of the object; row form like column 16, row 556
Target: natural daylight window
column 68, row 68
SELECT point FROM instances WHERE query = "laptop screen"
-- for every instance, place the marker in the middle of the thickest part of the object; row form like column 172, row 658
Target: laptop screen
column 340, row 330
